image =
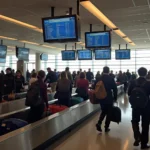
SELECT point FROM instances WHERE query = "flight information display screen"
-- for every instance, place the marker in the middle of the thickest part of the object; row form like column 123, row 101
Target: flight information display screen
column 97, row 39
column 3, row 51
column 68, row 55
column 60, row 28
column 44, row 57
column 123, row 54
column 102, row 54
column 84, row 54
column 2, row 60
column 22, row 53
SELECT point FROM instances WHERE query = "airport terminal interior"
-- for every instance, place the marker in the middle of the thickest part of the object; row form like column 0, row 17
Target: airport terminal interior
column 44, row 41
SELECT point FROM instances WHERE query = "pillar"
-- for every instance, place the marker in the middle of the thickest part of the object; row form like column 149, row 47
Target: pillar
column 21, row 65
column 37, row 62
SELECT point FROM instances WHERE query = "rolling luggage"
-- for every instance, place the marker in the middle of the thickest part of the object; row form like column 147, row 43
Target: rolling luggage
column 10, row 125
column 76, row 100
column 57, row 108
column 116, row 114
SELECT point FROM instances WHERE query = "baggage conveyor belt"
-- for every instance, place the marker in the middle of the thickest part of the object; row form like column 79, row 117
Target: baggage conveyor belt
column 36, row 135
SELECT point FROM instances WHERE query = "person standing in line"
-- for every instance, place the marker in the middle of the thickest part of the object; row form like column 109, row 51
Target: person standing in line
column 141, row 113
column 112, row 74
column 8, row 82
column 51, row 78
column 97, row 75
column 33, row 78
column 89, row 75
column 64, row 90
column 107, row 103
column 67, row 70
column 128, row 74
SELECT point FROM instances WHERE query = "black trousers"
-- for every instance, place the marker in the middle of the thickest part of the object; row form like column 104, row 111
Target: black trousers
column 36, row 113
column 143, row 115
column 125, row 86
column 106, row 112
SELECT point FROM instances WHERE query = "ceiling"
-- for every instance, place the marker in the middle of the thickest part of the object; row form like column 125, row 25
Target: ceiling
column 131, row 16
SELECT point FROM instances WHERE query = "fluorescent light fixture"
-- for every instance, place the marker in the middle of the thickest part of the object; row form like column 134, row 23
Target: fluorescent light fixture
column 7, row 38
column 98, row 14
column 48, row 46
column 8, row 19
column 28, row 42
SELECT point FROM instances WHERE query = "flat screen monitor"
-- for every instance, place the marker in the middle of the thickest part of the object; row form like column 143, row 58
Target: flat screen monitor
column 61, row 29
column 68, row 55
column 22, row 53
column 84, row 55
column 102, row 54
column 2, row 60
column 97, row 39
column 122, row 54
column 44, row 57
column 3, row 51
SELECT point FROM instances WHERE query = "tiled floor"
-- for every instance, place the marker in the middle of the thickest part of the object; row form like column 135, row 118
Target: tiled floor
column 86, row 137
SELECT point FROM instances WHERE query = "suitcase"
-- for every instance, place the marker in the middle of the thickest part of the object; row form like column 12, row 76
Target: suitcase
column 57, row 108
column 10, row 125
column 76, row 100
column 116, row 114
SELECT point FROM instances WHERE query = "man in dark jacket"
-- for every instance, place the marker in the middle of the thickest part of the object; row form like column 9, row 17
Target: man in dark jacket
column 67, row 70
column 144, row 113
column 89, row 75
column 107, row 103
column 51, row 78
column 8, row 82
column 128, row 74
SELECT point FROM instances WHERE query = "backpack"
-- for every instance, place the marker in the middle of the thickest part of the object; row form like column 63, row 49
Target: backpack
column 100, row 91
column 33, row 97
column 138, row 97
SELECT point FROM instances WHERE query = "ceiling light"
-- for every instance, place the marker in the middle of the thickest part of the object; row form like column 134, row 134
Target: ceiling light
column 48, row 46
column 28, row 42
column 8, row 38
column 11, row 46
column 97, row 13
column 5, row 18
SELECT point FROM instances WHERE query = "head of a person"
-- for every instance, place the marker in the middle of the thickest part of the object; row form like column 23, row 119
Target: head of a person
column 18, row 73
column 106, row 70
column 8, row 71
column 41, row 75
column 34, row 75
column 128, row 70
column 82, row 75
column 120, row 72
column 67, row 69
column 111, row 71
column 98, row 72
column 63, row 75
column 55, row 70
column 33, row 70
column 78, row 72
column 142, row 72
column 48, row 69
column 89, row 69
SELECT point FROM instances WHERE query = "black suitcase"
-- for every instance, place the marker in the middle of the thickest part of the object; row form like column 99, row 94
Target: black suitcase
column 116, row 114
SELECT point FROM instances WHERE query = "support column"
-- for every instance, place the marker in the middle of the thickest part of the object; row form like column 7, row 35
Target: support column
column 37, row 62
column 21, row 65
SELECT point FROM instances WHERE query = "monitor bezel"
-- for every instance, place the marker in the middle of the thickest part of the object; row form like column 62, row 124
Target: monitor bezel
column 102, row 58
column 41, row 57
column 17, row 49
column 122, row 58
column 95, row 47
column 77, row 29
column 6, row 51
column 68, row 59
column 85, row 50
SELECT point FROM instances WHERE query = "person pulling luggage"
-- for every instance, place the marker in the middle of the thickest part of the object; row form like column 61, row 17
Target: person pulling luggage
column 139, row 92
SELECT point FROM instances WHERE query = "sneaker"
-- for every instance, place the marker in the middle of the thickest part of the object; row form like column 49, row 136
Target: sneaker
column 98, row 127
column 145, row 147
column 107, row 130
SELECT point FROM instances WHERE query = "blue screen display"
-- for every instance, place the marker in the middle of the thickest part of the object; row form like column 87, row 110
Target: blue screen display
column 84, row 54
column 68, row 55
column 23, row 53
column 3, row 51
column 122, row 54
column 103, row 54
column 2, row 60
column 99, row 39
column 44, row 57
column 60, row 28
